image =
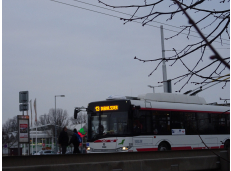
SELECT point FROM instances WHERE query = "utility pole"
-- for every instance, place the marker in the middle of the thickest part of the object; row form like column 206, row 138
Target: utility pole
column 164, row 70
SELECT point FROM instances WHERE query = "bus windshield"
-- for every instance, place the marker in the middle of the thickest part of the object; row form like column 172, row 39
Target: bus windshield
column 107, row 124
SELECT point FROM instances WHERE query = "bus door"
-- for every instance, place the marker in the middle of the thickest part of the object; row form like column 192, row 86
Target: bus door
column 142, row 129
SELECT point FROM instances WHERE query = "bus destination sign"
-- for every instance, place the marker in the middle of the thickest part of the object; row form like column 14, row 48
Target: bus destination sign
column 106, row 108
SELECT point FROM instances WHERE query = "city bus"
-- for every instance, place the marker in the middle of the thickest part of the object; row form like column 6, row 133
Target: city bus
column 156, row 122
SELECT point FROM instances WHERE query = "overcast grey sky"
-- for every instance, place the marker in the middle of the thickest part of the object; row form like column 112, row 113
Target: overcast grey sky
column 53, row 49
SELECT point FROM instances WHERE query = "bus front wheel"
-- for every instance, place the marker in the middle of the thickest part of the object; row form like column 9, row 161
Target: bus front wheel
column 164, row 146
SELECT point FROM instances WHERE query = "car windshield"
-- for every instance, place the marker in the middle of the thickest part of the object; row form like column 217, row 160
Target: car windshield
column 109, row 124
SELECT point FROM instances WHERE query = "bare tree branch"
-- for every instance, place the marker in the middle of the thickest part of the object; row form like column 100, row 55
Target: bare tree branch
column 218, row 20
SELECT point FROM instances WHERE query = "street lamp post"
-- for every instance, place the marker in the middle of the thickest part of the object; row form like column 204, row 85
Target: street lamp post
column 56, row 143
column 154, row 87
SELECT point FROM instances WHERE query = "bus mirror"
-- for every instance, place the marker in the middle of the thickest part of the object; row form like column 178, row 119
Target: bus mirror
column 76, row 111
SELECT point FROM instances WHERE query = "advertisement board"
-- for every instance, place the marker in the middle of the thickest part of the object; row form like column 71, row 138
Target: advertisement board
column 23, row 129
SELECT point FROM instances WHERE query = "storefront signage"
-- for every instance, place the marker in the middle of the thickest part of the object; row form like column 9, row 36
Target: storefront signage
column 23, row 128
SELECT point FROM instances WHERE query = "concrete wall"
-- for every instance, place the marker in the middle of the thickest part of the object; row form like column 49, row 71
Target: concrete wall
column 149, row 161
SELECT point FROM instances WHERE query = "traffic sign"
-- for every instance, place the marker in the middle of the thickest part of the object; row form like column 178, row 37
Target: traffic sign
column 23, row 107
column 23, row 96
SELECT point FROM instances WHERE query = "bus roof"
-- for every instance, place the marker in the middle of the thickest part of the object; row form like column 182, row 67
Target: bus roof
column 169, row 101
column 173, row 98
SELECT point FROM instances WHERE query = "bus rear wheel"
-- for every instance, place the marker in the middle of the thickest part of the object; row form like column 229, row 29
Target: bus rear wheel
column 164, row 146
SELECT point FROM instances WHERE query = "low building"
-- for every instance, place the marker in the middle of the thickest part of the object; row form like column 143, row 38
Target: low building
column 41, row 138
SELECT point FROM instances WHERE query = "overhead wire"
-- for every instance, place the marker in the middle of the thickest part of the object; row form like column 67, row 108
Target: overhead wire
column 120, row 17
column 205, row 49
column 200, row 87
column 214, row 84
column 137, row 16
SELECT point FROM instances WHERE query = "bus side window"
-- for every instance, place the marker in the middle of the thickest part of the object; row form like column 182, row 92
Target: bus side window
column 228, row 123
column 222, row 124
column 177, row 120
column 203, row 123
column 190, row 123
column 216, row 123
column 161, row 123
column 142, row 122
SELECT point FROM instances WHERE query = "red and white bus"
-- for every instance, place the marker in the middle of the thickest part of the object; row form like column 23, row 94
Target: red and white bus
column 156, row 122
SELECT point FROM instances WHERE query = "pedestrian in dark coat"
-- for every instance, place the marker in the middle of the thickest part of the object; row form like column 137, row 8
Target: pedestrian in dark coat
column 75, row 141
column 63, row 140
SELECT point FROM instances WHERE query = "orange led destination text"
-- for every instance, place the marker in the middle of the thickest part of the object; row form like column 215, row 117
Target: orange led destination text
column 106, row 108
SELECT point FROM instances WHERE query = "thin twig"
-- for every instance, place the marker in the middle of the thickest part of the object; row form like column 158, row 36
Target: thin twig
column 217, row 56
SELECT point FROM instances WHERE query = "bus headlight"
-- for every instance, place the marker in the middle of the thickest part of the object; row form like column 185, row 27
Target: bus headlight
column 88, row 148
column 124, row 148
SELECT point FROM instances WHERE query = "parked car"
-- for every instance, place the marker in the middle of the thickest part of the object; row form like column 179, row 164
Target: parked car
column 33, row 152
column 69, row 152
column 45, row 152
column 37, row 153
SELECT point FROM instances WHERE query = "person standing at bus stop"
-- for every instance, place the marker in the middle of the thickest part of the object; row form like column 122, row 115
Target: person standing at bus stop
column 75, row 140
column 63, row 140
